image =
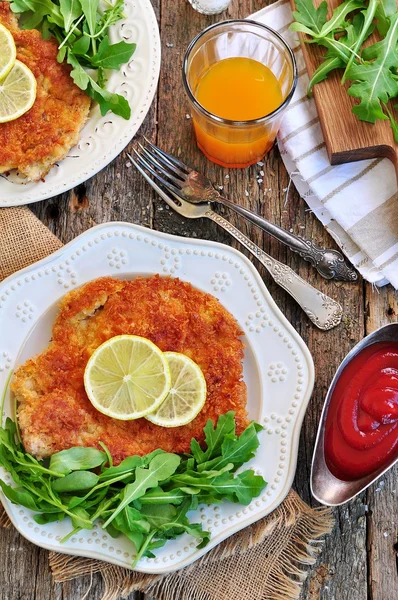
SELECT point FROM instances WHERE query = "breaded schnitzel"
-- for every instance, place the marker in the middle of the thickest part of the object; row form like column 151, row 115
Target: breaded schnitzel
column 46, row 133
column 54, row 412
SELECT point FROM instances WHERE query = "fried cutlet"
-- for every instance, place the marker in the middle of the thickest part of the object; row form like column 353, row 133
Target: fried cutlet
column 46, row 133
column 54, row 412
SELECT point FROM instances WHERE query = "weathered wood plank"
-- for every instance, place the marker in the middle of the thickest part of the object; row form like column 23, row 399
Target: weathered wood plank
column 382, row 497
column 20, row 564
column 44, row 584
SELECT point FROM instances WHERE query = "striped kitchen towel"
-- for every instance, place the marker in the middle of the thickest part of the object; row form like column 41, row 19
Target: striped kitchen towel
column 357, row 202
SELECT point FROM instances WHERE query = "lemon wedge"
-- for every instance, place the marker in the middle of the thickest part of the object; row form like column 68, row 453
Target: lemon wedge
column 17, row 92
column 127, row 377
column 187, row 394
column 8, row 51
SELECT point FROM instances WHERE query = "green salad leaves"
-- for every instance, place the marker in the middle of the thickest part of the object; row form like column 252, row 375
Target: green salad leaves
column 373, row 69
column 146, row 498
column 81, row 29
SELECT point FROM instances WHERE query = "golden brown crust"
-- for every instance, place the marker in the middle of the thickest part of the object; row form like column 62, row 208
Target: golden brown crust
column 53, row 409
column 46, row 133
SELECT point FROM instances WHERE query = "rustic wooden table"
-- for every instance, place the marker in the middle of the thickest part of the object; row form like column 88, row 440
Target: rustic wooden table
column 358, row 560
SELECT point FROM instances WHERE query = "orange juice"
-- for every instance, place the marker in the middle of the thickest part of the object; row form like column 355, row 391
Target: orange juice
column 237, row 89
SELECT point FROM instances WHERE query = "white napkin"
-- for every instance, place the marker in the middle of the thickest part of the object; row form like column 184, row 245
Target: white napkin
column 357, row 202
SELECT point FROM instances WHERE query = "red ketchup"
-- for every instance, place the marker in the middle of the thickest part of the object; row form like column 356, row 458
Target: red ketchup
column 361, row 433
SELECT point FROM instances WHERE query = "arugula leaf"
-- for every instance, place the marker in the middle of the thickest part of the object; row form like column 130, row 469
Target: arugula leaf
column 309, row 16
column 81, row 519
column 158, row 496
column 361, row 37
column 249, row 486
column 321, row 73
column 90, row 9
column 71, row 10
column 385, row 9
column 78, row 74
column 339, row 14
column 62, row 52
column 44, row 518
column 75, row 482
column 80, row 47
column 240, row 488
column 236, row 450
column 19, row 496
column 76, row 459
column 130, row 519
column 393, row 122
column 214, row 437
column 43, row 8
column 32, row 21
column 95, row 499
column 128, row 465
column 375, row 82
column 313, row 21
column 160, row 515
column 167, row 523
column 108, row 101
column 389, row 7
column 112, row 56
column 160, row 468
column 19, row 6
column 340, row 51
column 179, row 523
column 137, row 539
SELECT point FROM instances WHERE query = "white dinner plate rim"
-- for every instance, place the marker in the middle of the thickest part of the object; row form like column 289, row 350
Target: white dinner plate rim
column 297, row 421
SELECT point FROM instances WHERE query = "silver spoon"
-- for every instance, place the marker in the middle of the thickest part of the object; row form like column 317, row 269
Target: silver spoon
column 325, row 487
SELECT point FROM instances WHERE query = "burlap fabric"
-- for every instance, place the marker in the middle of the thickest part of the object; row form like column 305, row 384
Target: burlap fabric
column 266, row 561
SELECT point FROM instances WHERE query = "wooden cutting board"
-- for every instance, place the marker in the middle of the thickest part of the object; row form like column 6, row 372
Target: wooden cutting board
column 347, row 138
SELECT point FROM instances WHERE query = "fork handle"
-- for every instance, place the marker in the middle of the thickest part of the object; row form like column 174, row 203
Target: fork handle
column 323, row 311
column 329, row 263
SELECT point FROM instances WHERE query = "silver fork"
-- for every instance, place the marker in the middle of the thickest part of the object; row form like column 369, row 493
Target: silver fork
column 196, row 188
column 323, row 311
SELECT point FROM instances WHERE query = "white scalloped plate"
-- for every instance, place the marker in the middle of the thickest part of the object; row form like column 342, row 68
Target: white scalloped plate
column 278, row 367
column 103, row 137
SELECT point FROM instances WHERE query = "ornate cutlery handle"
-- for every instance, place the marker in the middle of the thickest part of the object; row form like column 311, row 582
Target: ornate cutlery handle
column 323, row 311
column 329, row 263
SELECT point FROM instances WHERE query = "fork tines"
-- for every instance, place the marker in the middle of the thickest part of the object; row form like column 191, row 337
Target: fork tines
column 166, row 169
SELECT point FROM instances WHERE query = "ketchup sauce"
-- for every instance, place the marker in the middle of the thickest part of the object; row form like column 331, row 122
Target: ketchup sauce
column 361, row 431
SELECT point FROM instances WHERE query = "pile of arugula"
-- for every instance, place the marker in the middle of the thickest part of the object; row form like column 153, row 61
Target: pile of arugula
column 146, row 498
column 82, row 32
column 373, row 70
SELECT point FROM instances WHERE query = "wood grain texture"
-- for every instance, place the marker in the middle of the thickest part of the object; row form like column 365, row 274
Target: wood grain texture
column 382, row 497
column 356, row 560
column 347, row 138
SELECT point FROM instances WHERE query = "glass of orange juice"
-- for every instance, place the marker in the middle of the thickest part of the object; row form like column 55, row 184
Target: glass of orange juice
column 239, row 76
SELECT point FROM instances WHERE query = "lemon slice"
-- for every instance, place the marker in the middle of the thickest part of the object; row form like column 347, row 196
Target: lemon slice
column 8, row 51
column 187, row 394
column 127, row 377
column 17, row 92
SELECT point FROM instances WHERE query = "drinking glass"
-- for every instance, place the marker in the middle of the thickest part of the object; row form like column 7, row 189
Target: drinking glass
column 237, row 143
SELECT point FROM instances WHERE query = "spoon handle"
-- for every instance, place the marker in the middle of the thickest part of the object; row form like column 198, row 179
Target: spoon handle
column 329, row 263
column 323, row 311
